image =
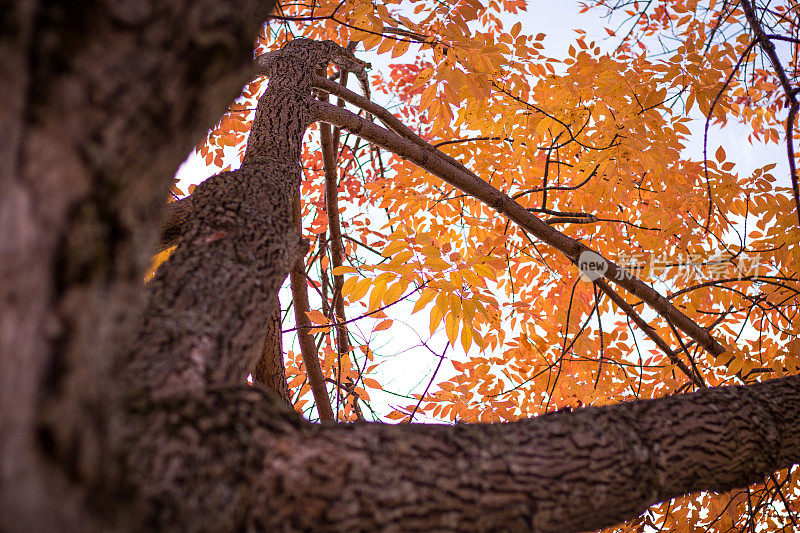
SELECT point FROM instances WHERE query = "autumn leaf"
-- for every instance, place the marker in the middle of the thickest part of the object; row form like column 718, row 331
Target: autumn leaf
column 383, row 324
column 317, row 318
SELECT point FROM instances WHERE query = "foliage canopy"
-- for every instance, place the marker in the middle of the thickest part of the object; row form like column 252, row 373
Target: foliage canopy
column 613, row 147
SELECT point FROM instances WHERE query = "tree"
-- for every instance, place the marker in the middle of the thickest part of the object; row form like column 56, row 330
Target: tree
column 126, row 405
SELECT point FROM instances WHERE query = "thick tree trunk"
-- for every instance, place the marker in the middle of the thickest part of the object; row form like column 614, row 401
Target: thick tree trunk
column 119, row 408
column 101, row 102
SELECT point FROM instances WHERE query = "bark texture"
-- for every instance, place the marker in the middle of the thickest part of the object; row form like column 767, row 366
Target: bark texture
column 230, row 459
column 101, row 103
column 121, row 409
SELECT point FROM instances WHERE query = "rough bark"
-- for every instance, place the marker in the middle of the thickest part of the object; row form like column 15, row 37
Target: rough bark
column 237, row 461
column 270, row 370
column 102, row 427
column 101, row 102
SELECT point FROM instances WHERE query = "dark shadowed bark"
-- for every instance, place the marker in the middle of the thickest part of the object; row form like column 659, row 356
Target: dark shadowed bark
column 101, row 103
column 123, row 405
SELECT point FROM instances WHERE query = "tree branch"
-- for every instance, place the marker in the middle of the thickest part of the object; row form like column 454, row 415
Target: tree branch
column 308, row 349
column 563, row 472
column 765, row 42
column 329, row 159
column 458, row 176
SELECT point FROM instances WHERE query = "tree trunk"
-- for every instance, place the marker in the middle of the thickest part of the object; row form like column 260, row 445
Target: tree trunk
column 101, row 103
column 126, row 409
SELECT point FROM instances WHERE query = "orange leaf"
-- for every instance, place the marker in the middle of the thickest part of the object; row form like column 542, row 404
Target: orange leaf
column 383, row 324
column 317, row 317
column 372, row 383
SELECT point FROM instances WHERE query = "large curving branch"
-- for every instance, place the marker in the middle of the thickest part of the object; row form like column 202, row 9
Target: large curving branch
column 458, row 176
column 563, row 472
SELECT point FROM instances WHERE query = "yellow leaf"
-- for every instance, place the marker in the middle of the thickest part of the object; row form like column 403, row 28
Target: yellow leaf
column 466, row 338
column 338, row 271
column 441, row 303
column 436, row 318
column 484, row 271
column 402, row 257
column 372, row 383
column 399, row 49
column 426, row 296
column 370, row 41
column 348, row 285
column 434, row 263
column 455, row 305
column 385, row 46
column 394, row 292
column 377, row 293
column 451, row 328
column 157, row 261
column 431, row 251
column 478, row 339
column 392, row 248
column 360, row 289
